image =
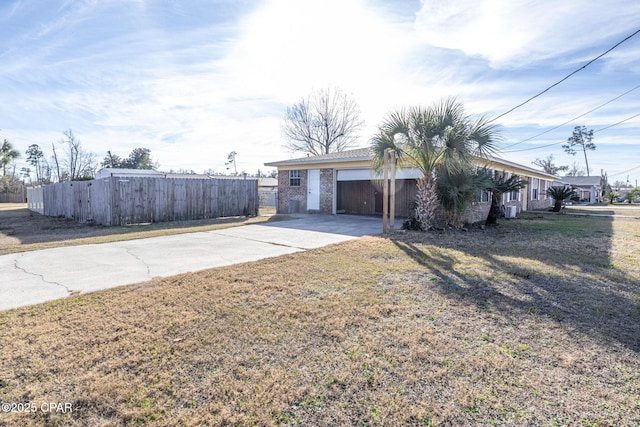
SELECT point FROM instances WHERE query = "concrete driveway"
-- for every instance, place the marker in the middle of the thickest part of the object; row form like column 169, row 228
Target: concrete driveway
column 34, row 277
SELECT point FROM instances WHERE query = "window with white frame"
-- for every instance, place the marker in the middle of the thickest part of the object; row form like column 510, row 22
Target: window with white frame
column 294, row 178
column 535, row 188
column 514, row 196
column 546, row 187
column 483, row 196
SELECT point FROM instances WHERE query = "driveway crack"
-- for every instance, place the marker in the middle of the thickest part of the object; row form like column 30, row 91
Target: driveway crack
column 261, row 241
column 130, row 252
column 41, row 276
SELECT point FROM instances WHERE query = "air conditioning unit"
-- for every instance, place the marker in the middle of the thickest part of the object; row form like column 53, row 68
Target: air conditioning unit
column 510, row 212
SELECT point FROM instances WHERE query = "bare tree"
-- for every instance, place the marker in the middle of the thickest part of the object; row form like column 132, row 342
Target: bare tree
column 575, row 170
column 73, row 163
column 326, row 121
column 548, row 166
column 56, row 163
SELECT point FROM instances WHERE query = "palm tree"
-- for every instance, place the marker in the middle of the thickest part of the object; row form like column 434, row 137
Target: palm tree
column 442, row 142
column 501, row 184
column 7, row 154
column 457, row 190
column 559, row 194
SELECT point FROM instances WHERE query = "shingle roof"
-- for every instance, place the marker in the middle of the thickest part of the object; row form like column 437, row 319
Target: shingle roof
column 367, row 154
column 342, row 156
column 582, row 180
column 519, row 166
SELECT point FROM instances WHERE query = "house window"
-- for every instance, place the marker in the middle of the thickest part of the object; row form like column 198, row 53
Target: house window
column 546, row 187
column 535, row 187
column 482, row 196
column 513, row 196
column 294, row 178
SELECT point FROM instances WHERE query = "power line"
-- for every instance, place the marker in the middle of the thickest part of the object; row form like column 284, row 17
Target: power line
column 616, row 124
column 573, row 119
column 623, row 172
column 561, row 142
column 566, row 77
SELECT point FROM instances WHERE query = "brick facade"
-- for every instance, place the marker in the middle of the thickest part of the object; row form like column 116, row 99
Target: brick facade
column 326, row 191
column 288, row 193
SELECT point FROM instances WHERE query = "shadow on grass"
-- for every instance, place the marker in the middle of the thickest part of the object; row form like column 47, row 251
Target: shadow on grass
column 537, row 269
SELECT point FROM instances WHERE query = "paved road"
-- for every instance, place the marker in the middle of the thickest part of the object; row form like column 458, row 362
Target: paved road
column 34, row 277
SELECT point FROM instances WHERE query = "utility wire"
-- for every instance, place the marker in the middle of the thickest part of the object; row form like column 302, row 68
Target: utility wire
column 627, row 171
column 573, row 119
column 565, row 78
column 616, row 124
column 561, row 142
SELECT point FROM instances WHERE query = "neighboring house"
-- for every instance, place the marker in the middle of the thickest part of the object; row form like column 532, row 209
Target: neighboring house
column 149, row 173
column 588, row 188
column 122, row 173
column 344, row 182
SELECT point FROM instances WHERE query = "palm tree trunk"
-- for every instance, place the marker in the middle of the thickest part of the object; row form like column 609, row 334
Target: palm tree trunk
column 427, row 202
column 494, row 210
column 557, row 206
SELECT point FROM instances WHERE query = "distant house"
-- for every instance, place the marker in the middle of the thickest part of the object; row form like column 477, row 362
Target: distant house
column 588, row 188
column 118, row 172
column 344, row 182
column 268, row 191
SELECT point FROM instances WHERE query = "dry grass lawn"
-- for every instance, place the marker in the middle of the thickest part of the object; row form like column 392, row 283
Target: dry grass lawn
column 534, row 322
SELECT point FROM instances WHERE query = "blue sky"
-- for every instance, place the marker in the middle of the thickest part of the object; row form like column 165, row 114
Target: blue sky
column 194, row 80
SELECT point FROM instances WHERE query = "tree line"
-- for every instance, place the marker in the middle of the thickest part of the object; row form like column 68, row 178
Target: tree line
column 68, row 161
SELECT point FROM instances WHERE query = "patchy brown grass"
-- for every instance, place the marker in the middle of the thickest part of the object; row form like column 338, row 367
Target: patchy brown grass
column 620, row 209
column 22, row 230
column 535, row 322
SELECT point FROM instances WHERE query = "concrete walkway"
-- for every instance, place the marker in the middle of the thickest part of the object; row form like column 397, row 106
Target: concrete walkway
column 34, row 277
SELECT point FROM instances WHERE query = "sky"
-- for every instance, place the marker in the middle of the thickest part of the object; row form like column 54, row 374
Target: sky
column 194, row 80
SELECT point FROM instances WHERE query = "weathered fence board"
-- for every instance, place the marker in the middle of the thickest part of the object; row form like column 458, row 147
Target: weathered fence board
column 135, row 200
column 12, row 198
column 35, row 199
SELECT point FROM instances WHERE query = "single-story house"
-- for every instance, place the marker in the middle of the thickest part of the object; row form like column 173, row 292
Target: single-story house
column 128, row 173
column 588, row 188
column 344, row 182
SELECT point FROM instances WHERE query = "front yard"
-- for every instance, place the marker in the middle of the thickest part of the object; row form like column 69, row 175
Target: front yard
column 535, row 322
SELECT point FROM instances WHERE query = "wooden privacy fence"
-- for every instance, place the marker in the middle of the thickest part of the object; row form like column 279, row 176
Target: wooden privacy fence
column 135, row 200
column 12, row 197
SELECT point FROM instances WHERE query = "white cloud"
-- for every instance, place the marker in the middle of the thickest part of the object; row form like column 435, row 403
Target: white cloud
column 196, row 87
column 512, row 33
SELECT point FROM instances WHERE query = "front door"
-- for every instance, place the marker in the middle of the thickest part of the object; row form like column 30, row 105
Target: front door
column 313, row 190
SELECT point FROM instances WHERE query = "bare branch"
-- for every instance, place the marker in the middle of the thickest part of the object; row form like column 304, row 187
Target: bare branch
column 324, row 122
